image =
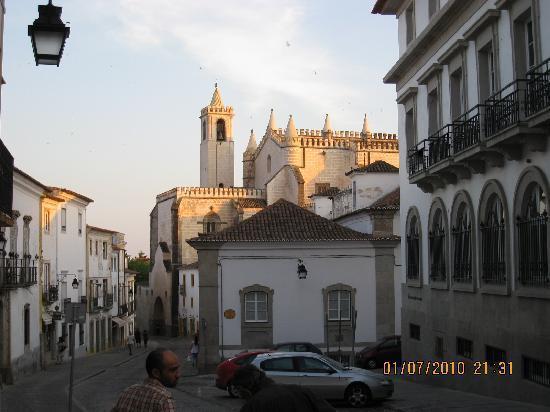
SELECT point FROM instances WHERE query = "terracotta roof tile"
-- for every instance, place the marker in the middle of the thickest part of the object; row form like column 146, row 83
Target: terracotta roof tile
column 246, row 203
column 389, row 201
column 331, row 191
column 284, row 221
column 379, row 166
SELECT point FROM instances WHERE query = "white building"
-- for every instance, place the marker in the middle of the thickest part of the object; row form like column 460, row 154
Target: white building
column 472, row 84
column 189, row 299
column 251, row 296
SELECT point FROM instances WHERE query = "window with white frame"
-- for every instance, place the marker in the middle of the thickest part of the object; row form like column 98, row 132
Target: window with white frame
column 255, row 307
column 456, row 81
column 104, row 249
column 339, row 305
column 63, row 219
column 47, row 221
column 487, row 72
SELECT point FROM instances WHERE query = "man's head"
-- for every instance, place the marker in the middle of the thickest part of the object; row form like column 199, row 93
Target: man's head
column 249, row 380
column 163, row 364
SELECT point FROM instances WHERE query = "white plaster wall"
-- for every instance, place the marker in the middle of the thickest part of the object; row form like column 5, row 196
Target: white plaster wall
column 360, row 222
column 372, row 186
column 298, row 312
column 322, row 206
column 191, row 292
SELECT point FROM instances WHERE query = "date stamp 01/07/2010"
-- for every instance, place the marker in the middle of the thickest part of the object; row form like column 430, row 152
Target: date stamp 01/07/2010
column 448, row 368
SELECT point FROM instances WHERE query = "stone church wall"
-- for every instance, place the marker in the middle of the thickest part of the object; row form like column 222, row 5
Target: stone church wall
column 262, row 176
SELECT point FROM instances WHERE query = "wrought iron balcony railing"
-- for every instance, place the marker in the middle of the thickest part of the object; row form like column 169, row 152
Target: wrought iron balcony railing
column 467, row 129
column 538, row 88
column 51, row 294
column 17, row 273
column 418, row 158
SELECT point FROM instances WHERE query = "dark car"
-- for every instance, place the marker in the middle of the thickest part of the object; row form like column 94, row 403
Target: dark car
column 226, row 370
column 387, row 349
column 296, row 347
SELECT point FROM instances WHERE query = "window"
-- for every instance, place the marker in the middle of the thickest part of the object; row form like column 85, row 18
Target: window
column 321, row 188
column 339, row 305
column 255, row 307
column 90, row 247
column 414, row 331
column 433, row 7
column 493, row 242
column 26, row 237
column 462, row 245
column 192, row 279
column 530, row 44
column 47, row 276
column 63, row 219
column 439, row 348
column 464, row 347
column 413, row 246
column 191, row 302
column 79, row 223
column 433, row 111
column 96, row 247
column 27, row 324
column 438, row 243
column 457, row 93
column 313, row 365
column 410, row 128
column 409, row 22
column 278, row 364
column 211, row 222
column 354, row 192
column 494, row 355
column 47, row 219
column 220, row 130
column 536, row 371
column 532, row 232
column 104, row 249
column 81, row 334
column 487, row 74
column 244, row 360
column 204, row 130
column 524, row 43
column 268, row 163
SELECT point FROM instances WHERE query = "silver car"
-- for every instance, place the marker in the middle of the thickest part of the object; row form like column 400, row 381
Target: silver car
column 325, row 377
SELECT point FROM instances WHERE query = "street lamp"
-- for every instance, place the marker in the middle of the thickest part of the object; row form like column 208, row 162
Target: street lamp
column 48, row 35
column 75, row 284
column 302, row 271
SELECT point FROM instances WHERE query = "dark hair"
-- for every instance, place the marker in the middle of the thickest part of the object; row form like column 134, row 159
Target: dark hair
column 155, row 360
column 251, row 378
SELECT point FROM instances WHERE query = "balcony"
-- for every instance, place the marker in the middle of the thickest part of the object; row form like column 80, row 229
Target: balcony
column 50, row 294
column 17, row 273
column 508, row 125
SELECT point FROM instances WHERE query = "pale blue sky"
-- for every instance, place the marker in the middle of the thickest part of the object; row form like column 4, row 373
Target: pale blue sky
column 118, row 120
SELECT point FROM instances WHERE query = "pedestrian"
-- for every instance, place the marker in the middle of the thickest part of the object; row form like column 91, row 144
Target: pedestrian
column 145, row 338
column 194, row 351
column 163, row 370
column 264, row 395
column 61, row 346
column 138, row 338
column 131, row 342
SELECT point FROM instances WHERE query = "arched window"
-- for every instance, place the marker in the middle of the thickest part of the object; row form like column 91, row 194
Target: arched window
column 462, row 240
column 493, row 236
column 268, row 163
column 220, row 130
column 438, row 243
column 532, row 229
column 211, row 222
column 413, row 246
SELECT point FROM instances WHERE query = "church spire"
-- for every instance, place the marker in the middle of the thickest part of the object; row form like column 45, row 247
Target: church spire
column 271, row 124
column 327, row 128
column 366, row 129
column 252, row 146
column 216, row 97
column 290, row 132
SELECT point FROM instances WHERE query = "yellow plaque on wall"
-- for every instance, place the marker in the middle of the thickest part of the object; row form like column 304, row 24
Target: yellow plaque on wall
column 229, row 314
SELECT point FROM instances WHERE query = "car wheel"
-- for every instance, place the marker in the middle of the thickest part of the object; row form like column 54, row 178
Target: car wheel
column 357, row 395
column 371, row 363
column 232, row 391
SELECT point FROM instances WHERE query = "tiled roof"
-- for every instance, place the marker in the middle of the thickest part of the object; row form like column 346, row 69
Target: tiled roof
column 379, row 166
column 390, row 201
column 284, row 221
column 331, row 191
column 246, row 203
column 99, row 229
column 71, row 192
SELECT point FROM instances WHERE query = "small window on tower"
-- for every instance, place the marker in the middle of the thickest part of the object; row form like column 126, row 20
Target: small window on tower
column 204, row 130
column 220, row 130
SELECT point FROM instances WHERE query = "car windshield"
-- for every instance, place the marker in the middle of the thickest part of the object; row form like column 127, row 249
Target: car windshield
column 333, row 363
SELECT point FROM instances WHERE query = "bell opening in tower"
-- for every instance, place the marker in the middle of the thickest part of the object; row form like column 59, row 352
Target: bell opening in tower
column 220, row 130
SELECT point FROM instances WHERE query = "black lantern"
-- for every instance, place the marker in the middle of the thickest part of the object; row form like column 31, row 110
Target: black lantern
column 3, row 241
column 302, row 271
column 75, row 283
column 48, row 34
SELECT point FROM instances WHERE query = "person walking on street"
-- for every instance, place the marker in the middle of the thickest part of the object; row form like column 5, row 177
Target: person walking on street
column 131, row 342
column 61, row 346
column 194, row 351
column 145, row 338
column 138, row 338
column 163, row 370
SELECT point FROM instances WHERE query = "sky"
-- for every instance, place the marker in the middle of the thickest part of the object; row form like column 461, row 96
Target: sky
column 118, row 121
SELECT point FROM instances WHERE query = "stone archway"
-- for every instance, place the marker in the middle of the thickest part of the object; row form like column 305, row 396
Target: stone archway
column 158, row 322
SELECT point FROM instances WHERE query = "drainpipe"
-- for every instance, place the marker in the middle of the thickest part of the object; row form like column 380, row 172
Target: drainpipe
column 221, row 306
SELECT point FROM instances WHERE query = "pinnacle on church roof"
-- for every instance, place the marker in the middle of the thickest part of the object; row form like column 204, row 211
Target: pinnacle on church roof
column 327, row 127
column 290, row 132
column 216, row 97
column 271, row 124
column 252, row 146
column 366, row 128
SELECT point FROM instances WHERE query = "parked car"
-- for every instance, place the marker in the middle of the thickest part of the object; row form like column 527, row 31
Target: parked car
column 296, row 347
column 387, row 349
column 226, row 370
column 325, row 377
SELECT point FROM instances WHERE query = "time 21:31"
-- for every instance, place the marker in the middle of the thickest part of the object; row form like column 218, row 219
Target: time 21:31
column 496, row 368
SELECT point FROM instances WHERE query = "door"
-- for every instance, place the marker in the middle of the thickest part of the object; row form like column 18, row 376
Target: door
column 282, row 370
column 320, row 377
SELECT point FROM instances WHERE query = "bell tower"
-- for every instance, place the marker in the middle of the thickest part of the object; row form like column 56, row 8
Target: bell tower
column 217, row 165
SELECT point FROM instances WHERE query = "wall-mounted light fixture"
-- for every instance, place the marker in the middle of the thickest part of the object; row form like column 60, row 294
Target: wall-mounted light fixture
column 302, row 271
column 75, row 283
